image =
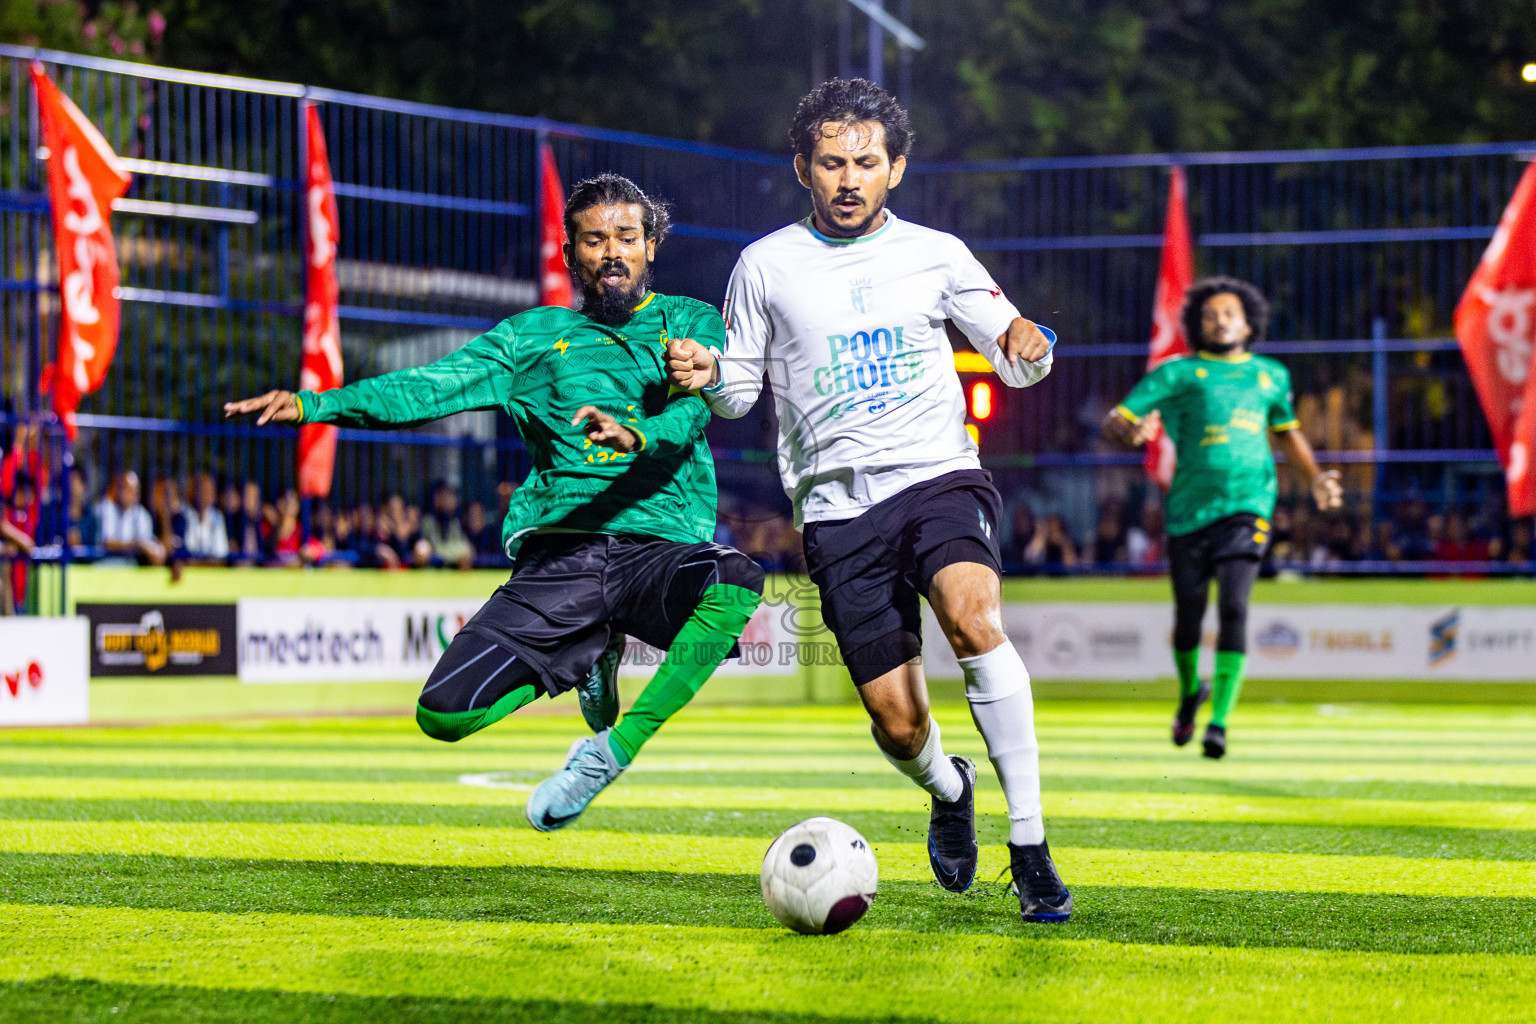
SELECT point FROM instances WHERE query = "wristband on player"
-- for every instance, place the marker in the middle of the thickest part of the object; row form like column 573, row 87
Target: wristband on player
column 715, row 386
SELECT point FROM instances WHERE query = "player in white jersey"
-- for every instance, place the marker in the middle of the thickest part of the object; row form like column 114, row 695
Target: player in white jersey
column 844, row 314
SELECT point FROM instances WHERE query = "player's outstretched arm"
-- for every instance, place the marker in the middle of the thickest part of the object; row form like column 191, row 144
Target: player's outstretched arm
column 274, row 407
column 1327, row 491
column 1120, row 428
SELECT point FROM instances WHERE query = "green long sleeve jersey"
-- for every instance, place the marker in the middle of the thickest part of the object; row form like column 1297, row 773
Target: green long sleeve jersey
column 540, row 367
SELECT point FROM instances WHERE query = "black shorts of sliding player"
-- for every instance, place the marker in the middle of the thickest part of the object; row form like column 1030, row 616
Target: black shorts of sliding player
column 871, row 570
column 1227, row 551
column 569, row 593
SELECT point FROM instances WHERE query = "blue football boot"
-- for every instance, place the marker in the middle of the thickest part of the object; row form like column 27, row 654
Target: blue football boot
column 560, row 799
column 1043, row 897
column 952, row 851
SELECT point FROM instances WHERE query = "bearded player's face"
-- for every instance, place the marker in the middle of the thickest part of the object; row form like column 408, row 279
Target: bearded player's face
column 1224, row 323
column 849, row 174
column 611, row 256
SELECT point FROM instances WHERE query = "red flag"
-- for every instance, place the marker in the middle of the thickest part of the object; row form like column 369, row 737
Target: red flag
column 1175, row 273
column 554, row 278
column 83, row 180
column 321, row 369
column 1494, row 326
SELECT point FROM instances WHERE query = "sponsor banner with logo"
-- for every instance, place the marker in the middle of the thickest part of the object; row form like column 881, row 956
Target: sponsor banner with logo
column 44, row 671
column 161, row 639
column 344, row 639
column 1130, row 642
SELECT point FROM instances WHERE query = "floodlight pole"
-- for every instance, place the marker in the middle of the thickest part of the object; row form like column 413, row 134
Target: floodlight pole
column 881, row 22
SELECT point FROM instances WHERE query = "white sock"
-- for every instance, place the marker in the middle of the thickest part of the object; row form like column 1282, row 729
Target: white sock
column 931, row 768
column 997, row 687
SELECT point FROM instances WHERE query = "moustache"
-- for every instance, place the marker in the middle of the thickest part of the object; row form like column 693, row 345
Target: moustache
column 613, row 267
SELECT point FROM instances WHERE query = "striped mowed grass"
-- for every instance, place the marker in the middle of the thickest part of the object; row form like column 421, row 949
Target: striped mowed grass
column 1366, row 862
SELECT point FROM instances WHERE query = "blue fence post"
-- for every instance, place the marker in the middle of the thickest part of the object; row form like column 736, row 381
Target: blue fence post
column 1379, row 388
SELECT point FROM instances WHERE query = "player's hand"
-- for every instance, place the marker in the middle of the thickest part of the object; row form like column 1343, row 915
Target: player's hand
column 1023, row 340
column 1327, row 491
column 602, row 429
column 690, row 366
column 1150, row 426
column 274, row 406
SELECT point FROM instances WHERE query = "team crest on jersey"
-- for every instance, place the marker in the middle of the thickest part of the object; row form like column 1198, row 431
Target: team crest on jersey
column 861, row 293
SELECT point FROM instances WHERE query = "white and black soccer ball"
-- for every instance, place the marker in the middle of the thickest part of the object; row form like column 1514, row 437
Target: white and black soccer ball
column 819, row 876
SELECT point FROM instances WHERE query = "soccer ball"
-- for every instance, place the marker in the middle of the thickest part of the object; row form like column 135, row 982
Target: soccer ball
column 819, row 876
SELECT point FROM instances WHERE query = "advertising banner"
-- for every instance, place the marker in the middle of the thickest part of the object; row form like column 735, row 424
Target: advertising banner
column 1130, row 642
column 768, row 647
column 44, row 671
column 161, row 639
column 345, row 639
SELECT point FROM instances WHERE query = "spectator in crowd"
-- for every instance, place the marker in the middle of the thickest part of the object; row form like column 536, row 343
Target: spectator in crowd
column 1384, row 544
column 1145, row 542
column 1052, row 548
column 1413, row 529
column 1024, row 530
column 1109, row 536
column 287, row 533
column 201, row 527
column 19, row 510
column 1457, row 544
column 485, row 535
column 126, row 527
column 166, row 510
column 25, row 456
column 1519, row 549
column 247, row 530
column 441, row 530
column 320, row 541
column 84, row 527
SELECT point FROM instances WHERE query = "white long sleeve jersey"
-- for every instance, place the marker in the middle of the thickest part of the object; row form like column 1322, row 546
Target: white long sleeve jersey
column 849, row 334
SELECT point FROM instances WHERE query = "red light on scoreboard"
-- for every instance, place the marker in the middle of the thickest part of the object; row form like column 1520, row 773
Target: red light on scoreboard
column 981, row 400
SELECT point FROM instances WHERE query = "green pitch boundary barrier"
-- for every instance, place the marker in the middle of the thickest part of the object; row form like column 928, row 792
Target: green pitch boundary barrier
column 117, row 700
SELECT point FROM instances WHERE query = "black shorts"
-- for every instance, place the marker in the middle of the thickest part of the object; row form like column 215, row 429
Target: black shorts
column 870, row 570
column 569, row 593
column 1192, row 558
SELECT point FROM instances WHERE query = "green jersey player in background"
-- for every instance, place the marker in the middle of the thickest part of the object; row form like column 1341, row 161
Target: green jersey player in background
column 1219, row 406
column 611, row 532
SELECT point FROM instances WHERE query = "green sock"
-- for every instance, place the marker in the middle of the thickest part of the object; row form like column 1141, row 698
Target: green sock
column 701, row 644
column 1227, row 683
column 1188, row 664
column 453, row 726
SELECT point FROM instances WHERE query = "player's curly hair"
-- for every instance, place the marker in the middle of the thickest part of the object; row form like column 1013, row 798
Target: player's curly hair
column 608, row 189
column 848, row 101
column 1255, row 306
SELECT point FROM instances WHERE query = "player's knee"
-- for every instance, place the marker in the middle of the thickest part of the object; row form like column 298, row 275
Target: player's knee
column 903, row 734
column 448, row 726
column 975, row 633
column 737, row 570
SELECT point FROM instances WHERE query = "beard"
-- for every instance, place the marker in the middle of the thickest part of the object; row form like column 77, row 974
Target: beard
column 827, row 213
column 612, row 306
column 1221, row 346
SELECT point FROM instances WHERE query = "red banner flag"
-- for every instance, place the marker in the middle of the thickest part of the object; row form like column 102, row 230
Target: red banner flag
column 1494, row 326
column 321, row 369
column 1175, row 273
column 83, row 180
column 554, row 278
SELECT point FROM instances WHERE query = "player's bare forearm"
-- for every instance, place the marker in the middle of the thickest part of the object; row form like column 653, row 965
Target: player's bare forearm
column 274, row 407
column 1023, row 340
column 604, row 430
column 1326, row 489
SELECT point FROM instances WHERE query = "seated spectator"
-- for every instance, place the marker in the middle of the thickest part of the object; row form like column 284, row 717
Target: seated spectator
column 1109, row 535
column 127, row 530
column 16, row 541
column 166, row 509
column 1384, row 546
column 396, row 541
column 287, row 532
column 1519, row 548
column 320, row 543
column 201, row 527
column 25, row 456
column 1024, row 529
column 441, row 531
column 84, row 527
column 247, row 528
column 1052, row 548
column 1457, row 544
column 486, row 536
column 1145, row 542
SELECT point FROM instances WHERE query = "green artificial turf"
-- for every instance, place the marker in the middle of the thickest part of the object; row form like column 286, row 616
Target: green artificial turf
column 1357, row 863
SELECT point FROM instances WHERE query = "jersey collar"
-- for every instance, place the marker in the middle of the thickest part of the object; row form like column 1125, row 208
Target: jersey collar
column 810, row 225
column 644, row 302
column 1241, row 357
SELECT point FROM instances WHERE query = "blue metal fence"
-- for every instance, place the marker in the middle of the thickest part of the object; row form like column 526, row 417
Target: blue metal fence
column 1364, row 253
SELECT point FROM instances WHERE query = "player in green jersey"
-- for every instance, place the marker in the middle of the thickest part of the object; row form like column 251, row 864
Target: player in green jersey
column 1220, row 407
column 611, row 532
